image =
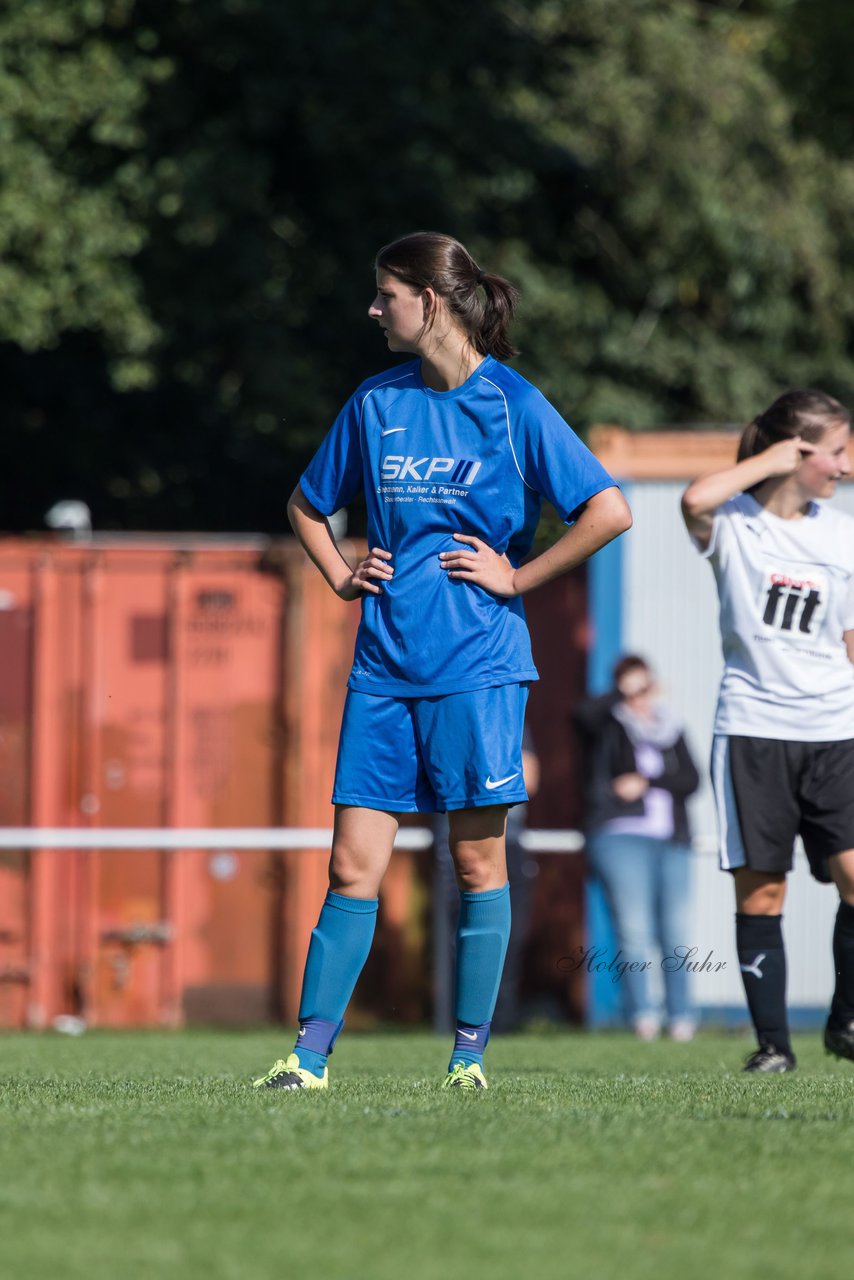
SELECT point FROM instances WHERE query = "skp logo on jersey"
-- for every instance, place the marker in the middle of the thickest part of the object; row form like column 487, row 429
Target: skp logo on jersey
column 460, row 471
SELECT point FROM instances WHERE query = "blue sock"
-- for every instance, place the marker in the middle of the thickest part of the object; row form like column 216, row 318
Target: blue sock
column 483, row 932
column 469, row 1044
column 339, row 947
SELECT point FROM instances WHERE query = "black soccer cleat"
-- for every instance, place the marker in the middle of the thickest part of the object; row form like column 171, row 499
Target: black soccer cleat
column 840, row 1040
column 769, row 1060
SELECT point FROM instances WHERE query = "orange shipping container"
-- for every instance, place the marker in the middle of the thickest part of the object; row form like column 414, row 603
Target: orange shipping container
column 198, row 683
column 148, row 685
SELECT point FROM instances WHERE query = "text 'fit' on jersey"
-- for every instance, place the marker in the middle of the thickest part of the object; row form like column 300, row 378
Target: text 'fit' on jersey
column 478, row 459
column 786, row 590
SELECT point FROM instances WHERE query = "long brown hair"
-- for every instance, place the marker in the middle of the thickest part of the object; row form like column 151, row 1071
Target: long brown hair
column 482, row 303
column 807, row 414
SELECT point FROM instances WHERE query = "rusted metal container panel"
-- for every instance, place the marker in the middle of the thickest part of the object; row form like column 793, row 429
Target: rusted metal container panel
column 141, row 686
column 124, row 731
column 16, row 675
column 13, row 938
column 16, row 655
column 320, row 634
column 184, row 684
column 226, row 753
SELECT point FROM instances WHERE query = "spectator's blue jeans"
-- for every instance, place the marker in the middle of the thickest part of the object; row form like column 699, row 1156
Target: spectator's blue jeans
column 647, row 885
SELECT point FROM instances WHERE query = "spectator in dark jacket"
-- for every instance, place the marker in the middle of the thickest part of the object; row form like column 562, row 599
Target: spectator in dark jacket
column 640, row 774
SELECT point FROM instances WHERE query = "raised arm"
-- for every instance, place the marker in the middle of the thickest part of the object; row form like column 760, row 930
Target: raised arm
column 702, row 498
column 604, row 517
column 313, row 531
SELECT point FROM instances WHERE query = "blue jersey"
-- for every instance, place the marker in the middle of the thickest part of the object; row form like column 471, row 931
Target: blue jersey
column 477, row 460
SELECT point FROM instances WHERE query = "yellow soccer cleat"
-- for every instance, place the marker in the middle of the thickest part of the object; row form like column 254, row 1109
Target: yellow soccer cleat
column 463, row 1077
column 290, row 1075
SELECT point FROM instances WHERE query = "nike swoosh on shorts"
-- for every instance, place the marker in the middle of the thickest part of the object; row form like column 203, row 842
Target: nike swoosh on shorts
column 499, row 782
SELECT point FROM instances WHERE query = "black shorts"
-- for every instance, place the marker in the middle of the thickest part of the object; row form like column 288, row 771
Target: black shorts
column 767, row 792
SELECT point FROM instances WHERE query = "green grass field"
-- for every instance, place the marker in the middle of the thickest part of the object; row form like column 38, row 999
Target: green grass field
column 592, row 1156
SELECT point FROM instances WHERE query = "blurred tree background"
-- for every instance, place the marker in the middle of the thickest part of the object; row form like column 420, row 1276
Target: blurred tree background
column 192, row 192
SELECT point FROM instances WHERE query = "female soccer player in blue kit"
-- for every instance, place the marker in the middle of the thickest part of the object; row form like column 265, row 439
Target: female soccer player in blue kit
column 454, row 453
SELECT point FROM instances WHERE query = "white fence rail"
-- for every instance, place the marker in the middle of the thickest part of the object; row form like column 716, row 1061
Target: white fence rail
column 239, row 838
column 809, row 916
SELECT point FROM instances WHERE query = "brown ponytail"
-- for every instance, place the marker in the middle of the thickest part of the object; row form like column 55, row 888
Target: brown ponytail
column 807, row 414
column 481, row 303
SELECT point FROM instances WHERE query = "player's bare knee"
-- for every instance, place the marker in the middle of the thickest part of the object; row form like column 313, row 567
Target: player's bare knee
column 478, row 871
column 763, row 902
column 471, row 879
column 759, row 893
column 350, row 869
column 842, row 870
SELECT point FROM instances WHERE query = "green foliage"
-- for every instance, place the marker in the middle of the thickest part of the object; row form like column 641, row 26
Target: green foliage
column 812, row 56
column 150, row 1154
column 191, row 195
column 700, row 267
column 71, row 201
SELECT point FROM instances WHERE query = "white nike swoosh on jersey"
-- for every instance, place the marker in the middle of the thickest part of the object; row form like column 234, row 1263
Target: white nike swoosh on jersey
column 469, row 1035
column 490, row 785
column 391, row 431
column 302, row 1031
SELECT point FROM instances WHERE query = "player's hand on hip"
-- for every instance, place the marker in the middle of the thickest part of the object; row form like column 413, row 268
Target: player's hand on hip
column 478, row 563
column 368, row 575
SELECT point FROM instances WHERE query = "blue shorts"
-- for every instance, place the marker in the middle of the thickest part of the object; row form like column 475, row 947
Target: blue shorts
column 426, row 755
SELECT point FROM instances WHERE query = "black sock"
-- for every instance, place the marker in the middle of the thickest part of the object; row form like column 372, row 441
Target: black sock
column 842, row 1008
column 762, row 958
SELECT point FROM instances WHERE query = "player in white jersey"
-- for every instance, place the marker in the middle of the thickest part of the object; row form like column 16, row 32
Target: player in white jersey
column 783, row 753
column 454, row 453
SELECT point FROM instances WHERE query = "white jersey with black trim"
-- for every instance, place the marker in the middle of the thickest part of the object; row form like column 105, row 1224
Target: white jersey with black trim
column 786, row 590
